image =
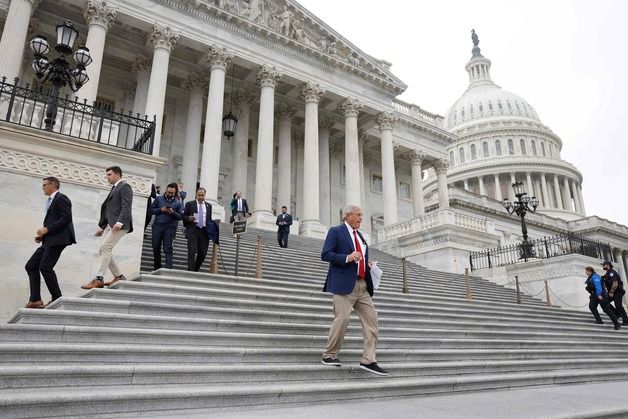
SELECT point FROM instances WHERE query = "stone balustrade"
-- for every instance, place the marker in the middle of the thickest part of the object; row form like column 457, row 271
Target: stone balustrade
column 415, row 111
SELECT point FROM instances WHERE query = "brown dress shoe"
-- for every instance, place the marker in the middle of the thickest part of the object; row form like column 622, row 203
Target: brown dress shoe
column 94, row 283
column 35, row 304
column 115, row 279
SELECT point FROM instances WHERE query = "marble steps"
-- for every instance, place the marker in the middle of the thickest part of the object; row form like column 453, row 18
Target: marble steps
column 30, row 403
column 247, row 313
column 104, row 375
column 392, row 331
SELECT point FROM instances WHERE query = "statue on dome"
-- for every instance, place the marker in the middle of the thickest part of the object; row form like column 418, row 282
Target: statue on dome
column 474, row 38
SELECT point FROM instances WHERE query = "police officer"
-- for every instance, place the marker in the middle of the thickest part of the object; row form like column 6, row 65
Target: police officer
column 599, row 296
column 615, row 289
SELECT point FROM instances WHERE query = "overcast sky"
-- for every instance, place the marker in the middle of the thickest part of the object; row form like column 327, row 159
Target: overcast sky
column 567, row 58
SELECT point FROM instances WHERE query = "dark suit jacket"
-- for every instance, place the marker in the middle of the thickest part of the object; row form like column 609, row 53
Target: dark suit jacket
column 286, row 227
column 341, row 276
column 191, row 207
column 118, row 208
column 58, row 221
column 234, row 206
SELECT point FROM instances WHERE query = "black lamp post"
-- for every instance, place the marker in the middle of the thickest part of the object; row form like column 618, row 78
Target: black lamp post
column 521, row 206
column 59, row 71
column 230, row 121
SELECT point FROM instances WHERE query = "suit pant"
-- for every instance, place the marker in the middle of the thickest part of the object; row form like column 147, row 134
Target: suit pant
column 617, row 300
column 606, row 307
column 44, row 260
column 282, row 238
column 360, row 301
column 198, row 242
column 105, row 259
column 163, row 235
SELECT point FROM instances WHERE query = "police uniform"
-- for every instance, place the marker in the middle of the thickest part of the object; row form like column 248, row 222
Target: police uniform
column 617, row 298
column 595, row 287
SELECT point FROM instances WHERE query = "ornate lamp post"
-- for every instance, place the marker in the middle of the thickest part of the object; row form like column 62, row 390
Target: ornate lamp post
column 521, row 206
column 59, row 71
column 230, row 121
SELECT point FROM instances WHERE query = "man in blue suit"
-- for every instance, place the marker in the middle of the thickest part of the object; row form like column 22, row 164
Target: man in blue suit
column 349, row 280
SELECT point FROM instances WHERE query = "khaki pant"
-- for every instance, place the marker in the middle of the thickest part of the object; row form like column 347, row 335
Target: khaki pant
column 360, row 301
column 104, row 259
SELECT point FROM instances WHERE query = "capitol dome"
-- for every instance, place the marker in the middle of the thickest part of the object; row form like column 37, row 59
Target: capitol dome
column 483, row 99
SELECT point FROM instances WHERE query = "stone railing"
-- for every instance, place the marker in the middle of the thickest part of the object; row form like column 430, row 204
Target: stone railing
column 415, row 111
column 440, row 218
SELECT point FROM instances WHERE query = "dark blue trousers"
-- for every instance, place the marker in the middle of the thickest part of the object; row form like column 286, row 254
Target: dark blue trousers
column 163, row 235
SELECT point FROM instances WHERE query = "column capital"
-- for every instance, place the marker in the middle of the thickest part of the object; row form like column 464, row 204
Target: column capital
column 219, row 57
column 312, row 92
column 416, row 156
column 386, row 120
column 195, row 82
column 362, row 137
column 141, row 64
column 325, row 125
column 441, row 166
column 163, row 37
column 285, row 113
column 351, row 107
column 244, row 97
column 268, row 76
column 98, row 13
column 34, row 3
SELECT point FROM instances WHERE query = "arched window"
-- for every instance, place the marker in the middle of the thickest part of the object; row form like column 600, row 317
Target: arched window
column 522, row 144
column 498, row 147
column 543, row 148
column 533, row 144
column 451, row 158
column 511, row 147
column 461, row 154
column 474, row 154
column 485, row 148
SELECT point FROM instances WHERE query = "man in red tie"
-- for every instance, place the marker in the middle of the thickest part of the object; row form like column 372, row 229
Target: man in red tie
column 349, row 280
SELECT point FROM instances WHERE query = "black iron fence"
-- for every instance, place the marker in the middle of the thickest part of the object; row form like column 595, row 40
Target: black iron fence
column 543, row 248
column 23, row 105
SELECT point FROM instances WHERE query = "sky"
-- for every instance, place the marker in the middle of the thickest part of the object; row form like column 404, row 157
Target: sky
column 567, row 58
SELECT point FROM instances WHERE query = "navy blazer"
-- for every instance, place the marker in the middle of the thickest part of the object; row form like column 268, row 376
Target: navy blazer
column 341, row 276
column 58, row 221
column 284, row 227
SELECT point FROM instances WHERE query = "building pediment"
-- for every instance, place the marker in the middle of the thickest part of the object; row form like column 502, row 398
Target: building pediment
column 292, row 24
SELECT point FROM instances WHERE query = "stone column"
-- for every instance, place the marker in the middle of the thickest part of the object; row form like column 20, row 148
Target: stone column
column 14, row 37
column 567, row 194
column 440, row 166
column 141, row 67
column 284, row 169
column 624, row 261
column 310, row 225
column 418, row 203
column 99, row 18
column 324, row 128
column 576, row 201
column 559, row 199
column 482, row 187
column 547, row 202
column 263, row 217
column 498, row 188
column 219, row 60
column 385, row 121
column 351, row 109
column 465, row 184
column 240, row 150
column 511, row 191
column 189, row 171
column 529, row 185
column 163, row 40
column 581, row 199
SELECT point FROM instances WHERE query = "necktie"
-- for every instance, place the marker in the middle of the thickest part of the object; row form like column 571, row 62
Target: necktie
column 361, row 265
column 48, row 202
column 239, row 204
column 200, row 216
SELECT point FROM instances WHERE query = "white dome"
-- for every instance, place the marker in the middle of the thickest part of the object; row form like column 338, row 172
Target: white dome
column 487, row 100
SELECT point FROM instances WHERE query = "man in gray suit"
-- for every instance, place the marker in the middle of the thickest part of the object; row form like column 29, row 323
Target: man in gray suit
column 115, row 221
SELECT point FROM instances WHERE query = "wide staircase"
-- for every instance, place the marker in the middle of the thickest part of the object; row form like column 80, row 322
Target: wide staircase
column 181, row 343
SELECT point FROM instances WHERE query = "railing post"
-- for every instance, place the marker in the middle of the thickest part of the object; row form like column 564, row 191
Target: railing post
column 547, row 294
column 258, row 263
column 213, row 268
column 404, row 288
column 468, row 294
column 12, row 100
column 547, row 252
column 518, row 291
column 471, row 261
column 488, row 256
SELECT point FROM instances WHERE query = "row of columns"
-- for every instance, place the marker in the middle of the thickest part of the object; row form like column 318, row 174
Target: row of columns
column 563, row 192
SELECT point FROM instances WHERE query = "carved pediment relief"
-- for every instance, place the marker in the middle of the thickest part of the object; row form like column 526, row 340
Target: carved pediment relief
column 297, row 27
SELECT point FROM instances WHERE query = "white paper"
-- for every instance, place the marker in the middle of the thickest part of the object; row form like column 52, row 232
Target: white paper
column 376, row 275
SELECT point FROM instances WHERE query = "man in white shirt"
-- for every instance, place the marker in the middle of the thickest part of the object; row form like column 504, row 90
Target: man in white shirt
column 196, row 215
